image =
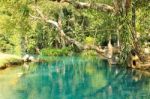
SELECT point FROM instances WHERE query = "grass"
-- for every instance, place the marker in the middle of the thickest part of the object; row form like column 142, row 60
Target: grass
column 8, row 59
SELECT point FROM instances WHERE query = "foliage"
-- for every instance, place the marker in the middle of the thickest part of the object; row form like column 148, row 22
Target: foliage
column 21, row 33
column 88, row 53
column 55, row 52
column 89, row 41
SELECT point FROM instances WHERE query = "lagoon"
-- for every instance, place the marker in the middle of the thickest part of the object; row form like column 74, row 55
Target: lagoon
column 73, row 77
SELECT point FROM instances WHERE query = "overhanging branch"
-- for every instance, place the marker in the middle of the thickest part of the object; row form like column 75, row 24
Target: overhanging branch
column 67, row 38
column 96, row 6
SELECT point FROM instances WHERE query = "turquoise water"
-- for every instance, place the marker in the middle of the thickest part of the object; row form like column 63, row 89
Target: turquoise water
column 73, row 78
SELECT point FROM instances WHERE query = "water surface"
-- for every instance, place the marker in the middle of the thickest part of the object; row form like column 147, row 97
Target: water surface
column 73, row 78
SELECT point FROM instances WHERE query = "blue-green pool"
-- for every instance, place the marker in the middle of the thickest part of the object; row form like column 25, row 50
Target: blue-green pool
column 73, row 78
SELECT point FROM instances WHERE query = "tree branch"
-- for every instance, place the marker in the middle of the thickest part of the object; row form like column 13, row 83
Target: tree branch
column 96, row 6
column 62, row 34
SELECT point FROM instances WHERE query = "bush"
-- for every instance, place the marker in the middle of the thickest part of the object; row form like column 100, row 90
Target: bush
column 55, row 52
column 88, row 53
column 89, row 41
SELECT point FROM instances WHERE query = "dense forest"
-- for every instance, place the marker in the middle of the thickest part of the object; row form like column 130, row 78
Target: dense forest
column 63, row 27
column 75, row 49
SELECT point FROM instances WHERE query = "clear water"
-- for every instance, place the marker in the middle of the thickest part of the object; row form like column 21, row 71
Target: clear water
column 73, row 78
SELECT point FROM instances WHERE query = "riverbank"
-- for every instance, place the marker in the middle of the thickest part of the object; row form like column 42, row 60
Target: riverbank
column 7, row 60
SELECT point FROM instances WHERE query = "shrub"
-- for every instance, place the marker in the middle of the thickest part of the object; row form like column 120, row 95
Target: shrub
column 55, row 52
column 89, row 40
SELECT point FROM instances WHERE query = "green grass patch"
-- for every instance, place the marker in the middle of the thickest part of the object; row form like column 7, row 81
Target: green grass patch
column 55, row 52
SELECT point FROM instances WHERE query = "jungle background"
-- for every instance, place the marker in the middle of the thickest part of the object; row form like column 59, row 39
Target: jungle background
column 62, row 27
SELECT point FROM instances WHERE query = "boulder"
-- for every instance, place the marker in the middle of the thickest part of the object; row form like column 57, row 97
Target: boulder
column 28, row 58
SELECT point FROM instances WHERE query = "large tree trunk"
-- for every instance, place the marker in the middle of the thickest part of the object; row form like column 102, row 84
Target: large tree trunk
column 122, row 6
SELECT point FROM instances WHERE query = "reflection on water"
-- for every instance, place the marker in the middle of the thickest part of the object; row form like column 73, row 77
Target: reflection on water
column 73, row 78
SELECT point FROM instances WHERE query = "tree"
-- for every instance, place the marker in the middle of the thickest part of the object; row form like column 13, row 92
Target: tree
column 66, row 23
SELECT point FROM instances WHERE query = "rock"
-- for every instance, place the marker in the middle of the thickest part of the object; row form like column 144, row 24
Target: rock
column 109, row 52
column 31, row 58
column 146, row 51
column 25, row 57
column 28, row 58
